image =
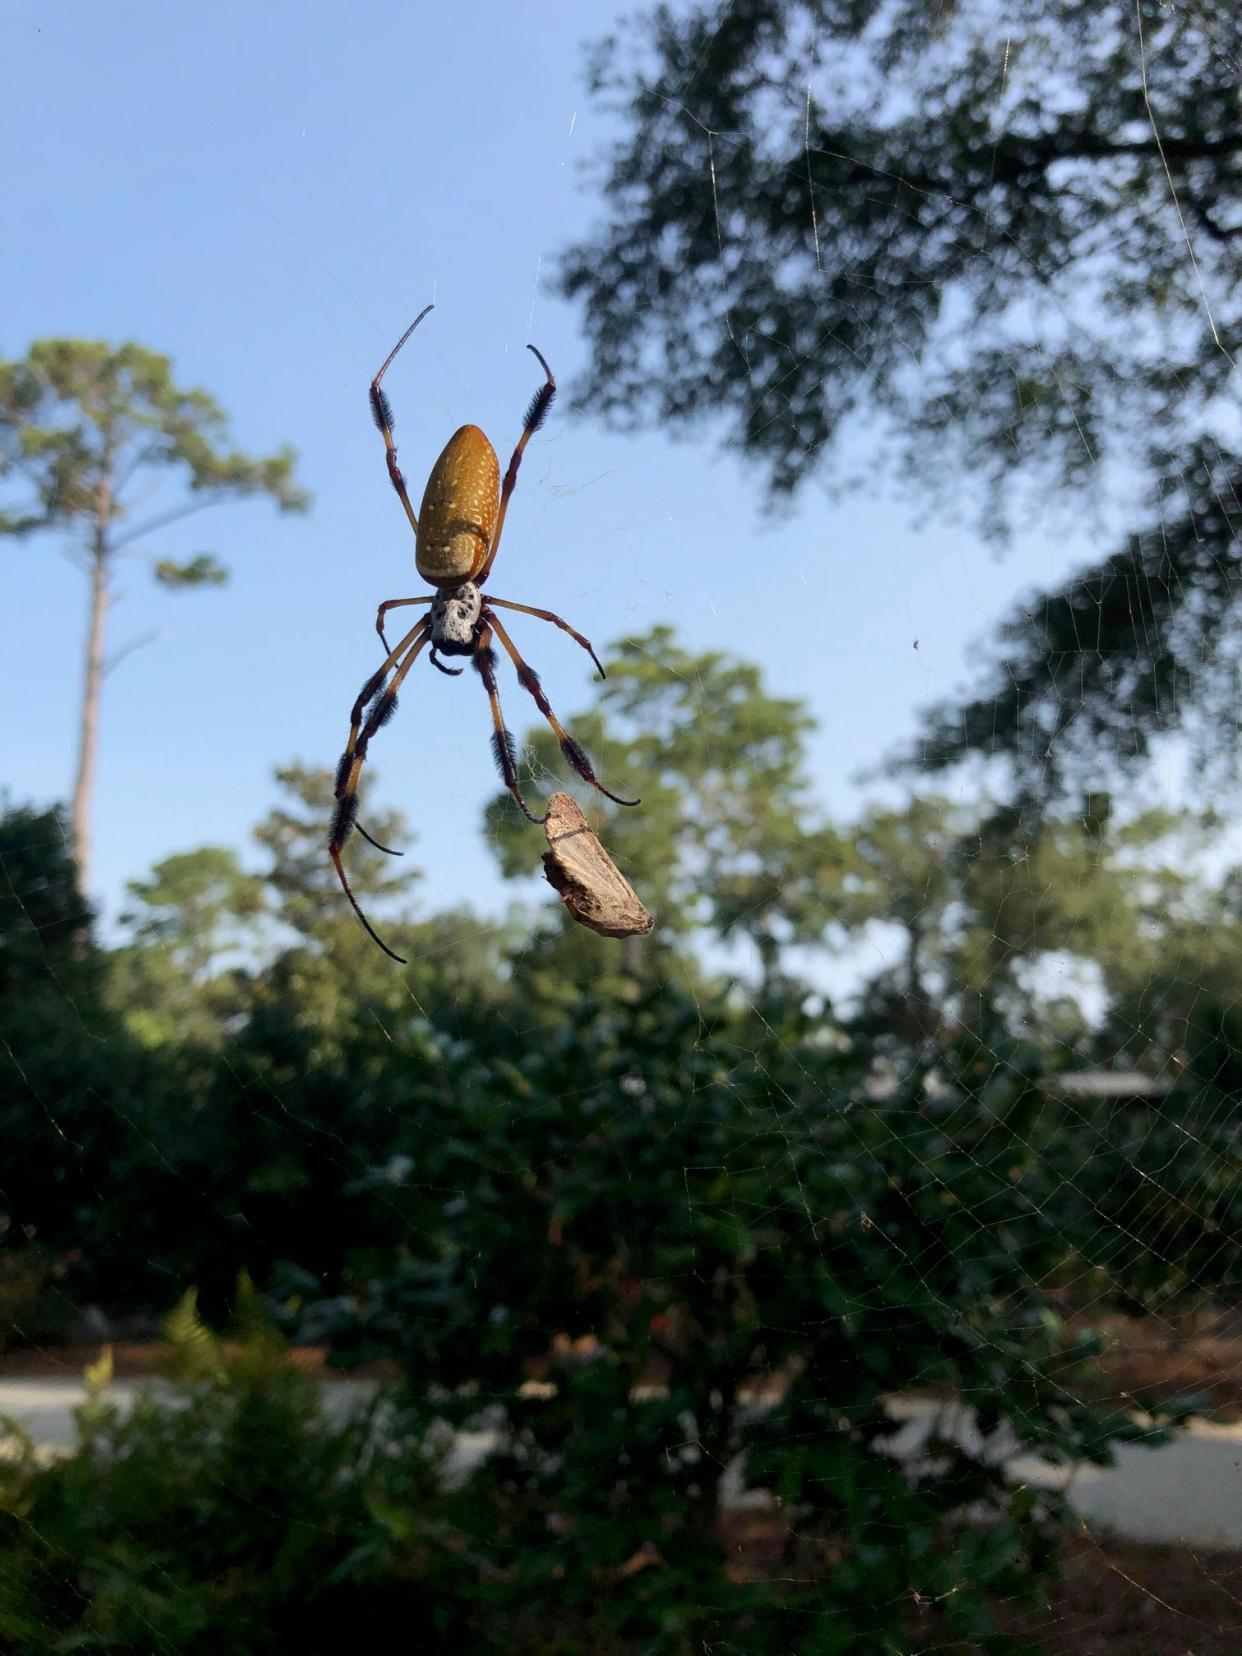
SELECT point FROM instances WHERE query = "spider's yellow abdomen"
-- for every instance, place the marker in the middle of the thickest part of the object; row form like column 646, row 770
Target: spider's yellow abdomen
column 458, row 514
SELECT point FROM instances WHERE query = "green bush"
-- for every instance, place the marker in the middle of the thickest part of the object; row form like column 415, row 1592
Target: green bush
column 233, row 1516
column 663, row 1211
column 646, row 1236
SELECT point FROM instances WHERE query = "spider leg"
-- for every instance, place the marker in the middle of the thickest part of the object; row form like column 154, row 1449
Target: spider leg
column 379, row 703
column 449, row 672
column 547, row 615
column 369, row 693
column 529, row 680
column 534, row 418
column 397, row 603
column 503, row 747
column 371, row 840
column 381, row 410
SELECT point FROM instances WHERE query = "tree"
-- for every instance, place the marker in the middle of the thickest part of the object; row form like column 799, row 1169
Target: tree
column 985, row 898
column 307, row 894
column 1175, row 1001
column 1010, row 244
column 183, row 977
column 719, row 1259
column 89, row 430
column 331, row 974
column 726, row 837
column 905, row 872
column 78, row 1099
column 193, row 906
column 1076, row 884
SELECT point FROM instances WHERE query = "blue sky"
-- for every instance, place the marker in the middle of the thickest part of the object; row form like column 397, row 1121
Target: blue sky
column 269, row 195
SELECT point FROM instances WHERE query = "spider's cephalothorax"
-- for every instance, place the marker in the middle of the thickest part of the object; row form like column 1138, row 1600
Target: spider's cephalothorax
column 454, row 617
column 457, row 535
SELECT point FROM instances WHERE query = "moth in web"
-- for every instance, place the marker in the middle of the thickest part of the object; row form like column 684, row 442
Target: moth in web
column 457, row 534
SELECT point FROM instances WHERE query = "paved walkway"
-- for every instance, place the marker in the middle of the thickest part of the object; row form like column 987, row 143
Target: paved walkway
column 1185, row 1492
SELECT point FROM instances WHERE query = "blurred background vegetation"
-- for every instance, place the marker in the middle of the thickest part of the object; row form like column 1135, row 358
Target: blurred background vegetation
column 602, row 1200
column 659, row 1215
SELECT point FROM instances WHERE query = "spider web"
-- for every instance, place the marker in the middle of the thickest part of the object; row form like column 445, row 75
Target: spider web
column 622, row 532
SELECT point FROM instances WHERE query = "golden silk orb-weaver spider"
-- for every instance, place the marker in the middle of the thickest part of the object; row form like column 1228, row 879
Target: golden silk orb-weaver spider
column 456, row 538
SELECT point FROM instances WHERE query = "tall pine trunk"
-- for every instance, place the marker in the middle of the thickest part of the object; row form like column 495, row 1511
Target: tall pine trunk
column 88, row 748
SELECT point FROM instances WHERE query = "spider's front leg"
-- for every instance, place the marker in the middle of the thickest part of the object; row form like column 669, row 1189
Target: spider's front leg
column 397, row 603
column 557, row 621
column 381, row 412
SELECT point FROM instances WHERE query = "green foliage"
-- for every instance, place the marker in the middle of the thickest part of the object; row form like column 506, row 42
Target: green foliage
column 984, row 896
column 726, row 838
column 60, row 1054
column 1062, row 886
column 307, row 892
column 1122, row 652
column 235, row 1516
column 43, row 918
column 332, row 971
column 195, row 908
column 79, row 419
column 1175, row 991
column 653, row 1233
column 186, row 975
column 1008, row 265
column 202, row 570
column 905, row 870
column 903, row 211
column 667, row 1211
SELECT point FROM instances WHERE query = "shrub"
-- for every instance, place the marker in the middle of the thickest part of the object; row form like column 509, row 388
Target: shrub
column 232, row 1516
column 667, row 1243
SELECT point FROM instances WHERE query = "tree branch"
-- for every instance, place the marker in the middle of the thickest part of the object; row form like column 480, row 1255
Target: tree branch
column 142, row 640
column 32, row 513
column 163, row 519
column 141, row 457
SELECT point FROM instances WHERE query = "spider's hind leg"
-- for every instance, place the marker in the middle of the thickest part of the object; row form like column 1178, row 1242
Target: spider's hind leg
column 503, row 745
column 371, row 840
column 529, row 680
column 376, row 704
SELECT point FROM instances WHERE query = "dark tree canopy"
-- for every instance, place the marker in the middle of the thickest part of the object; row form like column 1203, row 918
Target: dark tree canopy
column 1010, row 246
